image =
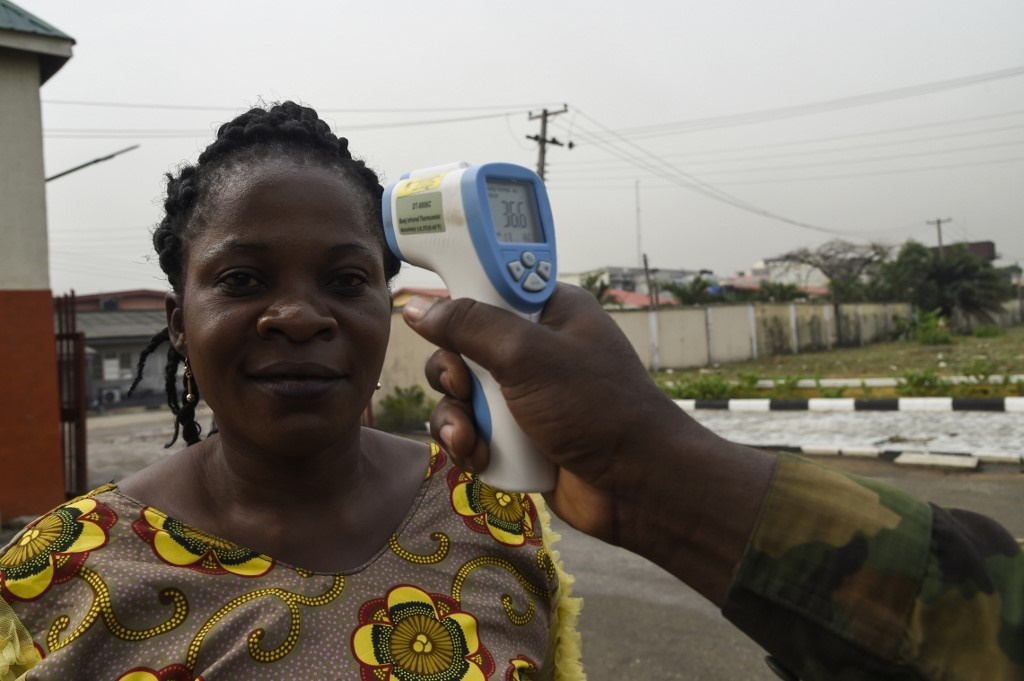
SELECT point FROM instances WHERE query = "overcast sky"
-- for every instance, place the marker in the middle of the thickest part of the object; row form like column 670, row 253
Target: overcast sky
column 706, row 134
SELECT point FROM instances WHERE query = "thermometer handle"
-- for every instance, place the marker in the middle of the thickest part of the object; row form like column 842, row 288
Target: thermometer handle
column 516, row 465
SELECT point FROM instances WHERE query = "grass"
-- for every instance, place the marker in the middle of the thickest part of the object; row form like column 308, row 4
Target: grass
column 927, row 366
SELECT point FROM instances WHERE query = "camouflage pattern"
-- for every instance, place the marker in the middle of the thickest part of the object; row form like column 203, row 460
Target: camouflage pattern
column 846, row 579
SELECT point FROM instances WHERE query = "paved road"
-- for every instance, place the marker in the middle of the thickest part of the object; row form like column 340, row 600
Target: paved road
column 995, row 433
column 638, row 622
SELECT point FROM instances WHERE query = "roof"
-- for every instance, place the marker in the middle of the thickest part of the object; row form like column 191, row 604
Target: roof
column 14, row 18
column 131, row 293
column 133, row 324
column 22, row 30
column 633, row 300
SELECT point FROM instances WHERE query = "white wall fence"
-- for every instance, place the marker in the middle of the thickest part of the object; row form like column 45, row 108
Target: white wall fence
column 686, row 337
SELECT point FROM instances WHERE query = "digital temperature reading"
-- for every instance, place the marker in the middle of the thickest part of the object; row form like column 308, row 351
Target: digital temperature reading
column 487, row 231
column 514, row 211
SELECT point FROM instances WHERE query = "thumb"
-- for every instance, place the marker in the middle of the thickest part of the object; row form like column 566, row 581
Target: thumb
column 468, row 327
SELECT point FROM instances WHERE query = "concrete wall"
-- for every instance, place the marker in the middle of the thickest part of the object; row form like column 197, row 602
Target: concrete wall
column 729, row 334
column 682, row 338
column 693, row 336
column 23, row 247
column 30, row 448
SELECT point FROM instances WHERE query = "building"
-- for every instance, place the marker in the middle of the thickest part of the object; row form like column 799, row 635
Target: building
column 114, row 342
column 31, row 52
column 633, row 279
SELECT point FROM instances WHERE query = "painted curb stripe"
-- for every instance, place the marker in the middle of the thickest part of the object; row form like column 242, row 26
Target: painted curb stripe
column 847, row 404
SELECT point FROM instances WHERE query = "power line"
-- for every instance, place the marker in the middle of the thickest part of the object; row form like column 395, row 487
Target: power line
column 166, row 133
column 872, row 159
column 847, row 176
column 694, row 156
column 687, row 181
column 560, row 181
column 873, row 133
column 206, row 107
column 810, row 108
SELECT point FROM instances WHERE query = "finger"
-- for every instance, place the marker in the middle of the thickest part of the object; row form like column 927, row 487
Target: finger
column 447, row 373
column 451, row 424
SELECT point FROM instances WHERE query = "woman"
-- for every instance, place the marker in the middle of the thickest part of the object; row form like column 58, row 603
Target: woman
column 292, row 543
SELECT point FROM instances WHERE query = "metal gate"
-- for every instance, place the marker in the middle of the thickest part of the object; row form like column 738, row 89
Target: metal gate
column 71, row 379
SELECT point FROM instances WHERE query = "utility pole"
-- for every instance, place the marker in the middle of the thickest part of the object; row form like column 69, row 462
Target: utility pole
column 652, row 319
column 543, row 140
column 938, row 226
column 639, row 245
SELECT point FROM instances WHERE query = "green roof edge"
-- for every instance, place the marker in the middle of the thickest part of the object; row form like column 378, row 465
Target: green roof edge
column 14, row 18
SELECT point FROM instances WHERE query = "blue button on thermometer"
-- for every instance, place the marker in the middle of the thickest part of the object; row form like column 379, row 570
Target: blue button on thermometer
column 487, row 231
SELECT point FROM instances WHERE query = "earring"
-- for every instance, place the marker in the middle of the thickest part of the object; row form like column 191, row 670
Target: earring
column 190, row 389
column 379, row 385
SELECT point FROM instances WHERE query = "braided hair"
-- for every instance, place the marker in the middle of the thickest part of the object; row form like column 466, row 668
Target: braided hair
column 285, row 130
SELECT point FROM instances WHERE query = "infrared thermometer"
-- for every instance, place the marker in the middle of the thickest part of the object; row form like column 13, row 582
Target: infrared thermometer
column 487, row 231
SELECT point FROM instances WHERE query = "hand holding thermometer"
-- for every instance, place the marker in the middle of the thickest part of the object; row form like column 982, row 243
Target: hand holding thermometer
column 487, row 231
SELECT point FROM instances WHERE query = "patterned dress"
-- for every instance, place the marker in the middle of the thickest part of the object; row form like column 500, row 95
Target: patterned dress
column 105, row 587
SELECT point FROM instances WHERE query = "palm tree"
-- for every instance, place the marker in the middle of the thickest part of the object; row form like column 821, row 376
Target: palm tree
column 959, row 284
column 693, row 292
column 598, row 287
column 779, row 292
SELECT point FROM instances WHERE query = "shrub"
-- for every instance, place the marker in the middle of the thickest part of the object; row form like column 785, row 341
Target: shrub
column 980, row 369
column 838, row 391
column 786, row 386
column 921, row 383
column 702, row 388
column 404, row 410
column 932, row 329
column 988, row 331
column 927, row 328
column 746, row 383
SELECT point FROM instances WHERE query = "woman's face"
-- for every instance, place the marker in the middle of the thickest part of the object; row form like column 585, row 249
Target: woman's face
column 285, row 312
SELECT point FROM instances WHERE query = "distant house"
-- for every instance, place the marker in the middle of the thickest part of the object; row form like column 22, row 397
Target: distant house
column 632, row 279
column 630, row 300
column 118, row 325
column 986, row 250
column 138, row 299
column 114, row 342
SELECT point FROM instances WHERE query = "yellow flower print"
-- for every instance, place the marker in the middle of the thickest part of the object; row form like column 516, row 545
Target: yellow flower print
column 50, row 550
column 175, row 672
column 178, row 544
column 509, row 517
column 411, row 635
column 521, row 668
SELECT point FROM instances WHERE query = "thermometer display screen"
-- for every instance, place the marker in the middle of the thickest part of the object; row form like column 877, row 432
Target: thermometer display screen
column 514, row 211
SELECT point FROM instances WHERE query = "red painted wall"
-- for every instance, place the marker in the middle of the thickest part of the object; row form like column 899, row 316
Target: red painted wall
column 31, row 461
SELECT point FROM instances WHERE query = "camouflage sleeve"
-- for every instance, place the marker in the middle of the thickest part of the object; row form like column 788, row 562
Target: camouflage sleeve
column 846, row 579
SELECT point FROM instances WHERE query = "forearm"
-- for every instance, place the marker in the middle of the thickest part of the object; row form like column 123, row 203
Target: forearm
column 847, row 578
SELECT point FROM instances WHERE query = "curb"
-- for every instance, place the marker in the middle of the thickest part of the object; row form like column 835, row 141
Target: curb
column 848, row 404
column 906, row 457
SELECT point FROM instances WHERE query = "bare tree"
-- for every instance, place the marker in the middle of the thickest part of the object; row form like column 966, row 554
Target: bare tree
column 844, row 264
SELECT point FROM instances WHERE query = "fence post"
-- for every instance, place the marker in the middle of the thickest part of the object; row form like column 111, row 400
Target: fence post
column 752, row 319
column 709, row 333
column 827, row 316
column 794, row 336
